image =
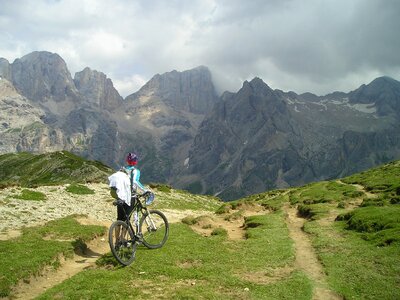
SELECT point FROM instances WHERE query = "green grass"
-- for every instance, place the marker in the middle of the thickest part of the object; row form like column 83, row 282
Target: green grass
column 40, row 246
column 385, row 178
column 191, row 266
column 360, row 251
column 27, row 194
column 356, row 268
column 323, row 192
column 79, row 189
column 32, row 170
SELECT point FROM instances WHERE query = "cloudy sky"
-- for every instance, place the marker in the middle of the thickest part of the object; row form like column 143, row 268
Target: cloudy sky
column 318, row 46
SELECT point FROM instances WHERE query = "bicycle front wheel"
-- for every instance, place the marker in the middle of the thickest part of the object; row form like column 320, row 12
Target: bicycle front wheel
column 122, row 242
column 155, row 229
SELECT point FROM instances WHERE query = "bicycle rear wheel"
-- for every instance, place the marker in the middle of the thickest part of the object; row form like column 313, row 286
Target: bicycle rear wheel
column 122, row 242
column 155, row 229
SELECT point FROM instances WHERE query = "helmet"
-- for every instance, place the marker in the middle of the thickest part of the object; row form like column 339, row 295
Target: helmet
column 132, row 159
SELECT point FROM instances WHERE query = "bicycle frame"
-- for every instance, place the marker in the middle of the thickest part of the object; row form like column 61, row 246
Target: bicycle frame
column 140, row 211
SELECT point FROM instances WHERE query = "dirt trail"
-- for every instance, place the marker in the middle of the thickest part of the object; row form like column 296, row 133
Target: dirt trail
column 49, row 278
column 35, row 286
column 306, row 258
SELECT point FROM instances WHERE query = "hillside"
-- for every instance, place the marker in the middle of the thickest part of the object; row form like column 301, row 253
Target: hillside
column 336, row 239
column 27, row 169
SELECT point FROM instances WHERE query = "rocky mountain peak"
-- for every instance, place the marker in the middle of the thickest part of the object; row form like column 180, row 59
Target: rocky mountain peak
column 40, row 76
column 192, row 90
column 383, row 92
column 97, row 89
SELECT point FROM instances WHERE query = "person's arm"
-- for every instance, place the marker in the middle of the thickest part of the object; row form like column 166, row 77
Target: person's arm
column 136, row 184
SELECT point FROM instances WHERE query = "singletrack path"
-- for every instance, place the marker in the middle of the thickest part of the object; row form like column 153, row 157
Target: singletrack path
column 306, row 258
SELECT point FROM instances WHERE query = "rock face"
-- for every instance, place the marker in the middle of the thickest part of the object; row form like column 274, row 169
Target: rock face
column 259, row 139
column 166, row 112
column 97, row 89
column 43, row 77
column 234, row 145
column 44, row 110
column 87, row 116
column 190, row 91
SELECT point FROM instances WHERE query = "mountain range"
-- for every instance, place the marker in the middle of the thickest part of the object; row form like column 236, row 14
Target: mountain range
column 232, row 145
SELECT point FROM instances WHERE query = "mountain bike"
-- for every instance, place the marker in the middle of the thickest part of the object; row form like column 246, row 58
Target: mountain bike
column 150, row 228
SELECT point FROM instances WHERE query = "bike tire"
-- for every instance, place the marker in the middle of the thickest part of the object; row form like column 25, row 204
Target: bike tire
column 154, row 236
column 122, row 242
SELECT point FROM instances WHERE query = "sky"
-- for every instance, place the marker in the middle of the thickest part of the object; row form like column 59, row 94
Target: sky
column 317, row 46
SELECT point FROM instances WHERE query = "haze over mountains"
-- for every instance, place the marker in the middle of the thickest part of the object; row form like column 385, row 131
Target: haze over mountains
column 186, row 135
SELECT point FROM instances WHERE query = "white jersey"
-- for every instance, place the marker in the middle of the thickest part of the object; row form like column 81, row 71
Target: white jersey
column 121, row 182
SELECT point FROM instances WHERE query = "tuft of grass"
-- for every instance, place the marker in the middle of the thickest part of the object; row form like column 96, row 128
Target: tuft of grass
column 189, row 220
column 79, row 189
column 27, row 194
column 219, row 231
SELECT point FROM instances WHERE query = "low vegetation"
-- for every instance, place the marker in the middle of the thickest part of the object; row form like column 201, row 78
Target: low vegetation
column 30, row 170
column 353, row 225
column 26, row 255
column 79, row 189
column 27, row 194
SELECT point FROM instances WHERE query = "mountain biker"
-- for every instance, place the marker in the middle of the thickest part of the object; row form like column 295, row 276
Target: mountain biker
column 125, row 183
column 134, row 173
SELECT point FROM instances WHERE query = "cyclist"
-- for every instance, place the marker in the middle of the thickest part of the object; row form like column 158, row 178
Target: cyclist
column 125, row 183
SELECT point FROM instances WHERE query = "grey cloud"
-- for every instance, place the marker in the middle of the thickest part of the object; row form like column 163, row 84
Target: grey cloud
column 316, row 46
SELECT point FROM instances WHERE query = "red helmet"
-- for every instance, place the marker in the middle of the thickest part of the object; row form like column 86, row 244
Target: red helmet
column 132, row 159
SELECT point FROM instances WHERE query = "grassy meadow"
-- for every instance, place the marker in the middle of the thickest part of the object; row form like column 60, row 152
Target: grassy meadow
column 353, row 225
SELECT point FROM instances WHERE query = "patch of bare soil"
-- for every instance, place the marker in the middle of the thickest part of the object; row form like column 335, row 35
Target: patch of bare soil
column 306, row 258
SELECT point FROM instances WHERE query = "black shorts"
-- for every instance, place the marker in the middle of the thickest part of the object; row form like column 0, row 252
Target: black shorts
column 123, row 210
